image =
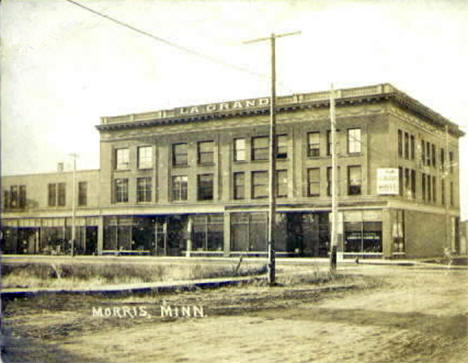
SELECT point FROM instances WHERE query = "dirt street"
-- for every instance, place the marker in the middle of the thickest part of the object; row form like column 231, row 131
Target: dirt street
column 401, row 314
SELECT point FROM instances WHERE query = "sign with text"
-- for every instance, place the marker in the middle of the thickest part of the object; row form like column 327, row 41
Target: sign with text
column 387, row 181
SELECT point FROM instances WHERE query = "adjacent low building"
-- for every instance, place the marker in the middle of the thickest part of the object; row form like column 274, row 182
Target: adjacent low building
column 200, row 174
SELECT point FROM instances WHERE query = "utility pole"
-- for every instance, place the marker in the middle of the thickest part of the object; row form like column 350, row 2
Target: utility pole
column 272, row 166
column 334, row 191
column 73, row 236
column 447, row 189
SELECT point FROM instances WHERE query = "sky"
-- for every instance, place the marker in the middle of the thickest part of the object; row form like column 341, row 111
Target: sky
column 63, row 67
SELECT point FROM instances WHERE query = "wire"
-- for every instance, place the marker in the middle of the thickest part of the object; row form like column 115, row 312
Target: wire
column 169, row 43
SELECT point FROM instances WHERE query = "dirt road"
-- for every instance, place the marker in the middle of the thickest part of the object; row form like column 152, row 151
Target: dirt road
column 403, row 315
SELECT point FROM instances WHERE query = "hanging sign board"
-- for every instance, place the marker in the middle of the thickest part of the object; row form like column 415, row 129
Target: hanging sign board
column 387, row 181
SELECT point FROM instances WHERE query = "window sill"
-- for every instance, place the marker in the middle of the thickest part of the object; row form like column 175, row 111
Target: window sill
column 181, row 166
column 206, row 164
column 121, row 170
column 145, row 169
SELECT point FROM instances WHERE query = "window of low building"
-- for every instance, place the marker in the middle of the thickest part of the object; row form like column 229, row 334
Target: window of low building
column 82, row 193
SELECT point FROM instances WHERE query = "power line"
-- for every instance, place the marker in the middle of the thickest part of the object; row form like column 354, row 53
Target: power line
column 168, row 42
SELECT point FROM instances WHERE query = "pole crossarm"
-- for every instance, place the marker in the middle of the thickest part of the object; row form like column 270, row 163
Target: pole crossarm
column 273, row 35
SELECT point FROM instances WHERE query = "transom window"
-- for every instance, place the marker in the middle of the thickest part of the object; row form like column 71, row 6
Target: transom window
column 179, row 154
column 144, row 189
column 354, row 141
column 179, row 187
column 239, row 150
column 122, row 159
column 145, row 157
column 260, row 148
column 205, row 152
column 313, row 144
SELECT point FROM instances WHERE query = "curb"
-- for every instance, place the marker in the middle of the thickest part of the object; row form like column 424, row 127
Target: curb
column 157, row 288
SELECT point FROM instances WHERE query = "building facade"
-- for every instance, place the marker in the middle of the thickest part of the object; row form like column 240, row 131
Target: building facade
column 200, row 174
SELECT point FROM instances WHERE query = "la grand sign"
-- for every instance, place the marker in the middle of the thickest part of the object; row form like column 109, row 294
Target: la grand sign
column 224, row 106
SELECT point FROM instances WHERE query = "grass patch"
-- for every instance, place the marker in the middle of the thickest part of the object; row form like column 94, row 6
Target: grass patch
column 82, row 275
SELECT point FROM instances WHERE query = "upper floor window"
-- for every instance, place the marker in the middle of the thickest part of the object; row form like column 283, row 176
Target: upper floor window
column 313, row 144
column 179, row 187
column 354, row 180
column 145, row 157
column 205, row 187
column 16, row 197
column 260, row 148
column 239, row 150
column 144, row 189
column 121, row 190
column 400, row 143
column 259, row 184
column 205, row 152
column 451, row 161
column 329, row 142
column 442, row 158
column 442, row 192
column 354, row 141
column 282, row 183
column 282, row 146
column 406, row 145
column 433, row 155
column 313, row 182
column 412, row 147
column 56, row 194
column 52, row 194
column 239, row 185
column 451, row 195
column 82, row 193
column 428, row 154
column 179, row 154
column 122, row 159
column 423, row 152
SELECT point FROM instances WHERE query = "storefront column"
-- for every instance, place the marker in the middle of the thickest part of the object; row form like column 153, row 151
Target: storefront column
column 387, row 239
column 227, row 234
column 100, row 234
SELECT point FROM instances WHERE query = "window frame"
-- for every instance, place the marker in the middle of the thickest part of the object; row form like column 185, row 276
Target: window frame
column 121, row 190
column 122, row 154
column 257, row 150
column 353, row 143
column 358, row 187
column 82, row 193
column 145, row 162
column 284, row 154
column 181, row 193
column 202, row 194
column 201, row 154
column 256, row 184
column 144, row 189
column 237, row 150
column 313, row 182
column 239, row 182
column 177, row 154
column 313, row 149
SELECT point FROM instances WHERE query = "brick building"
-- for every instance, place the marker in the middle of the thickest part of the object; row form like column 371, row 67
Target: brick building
column 201, row 173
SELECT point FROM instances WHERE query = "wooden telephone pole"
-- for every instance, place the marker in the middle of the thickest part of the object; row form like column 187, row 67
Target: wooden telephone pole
column 272, row 167
column 334, row 189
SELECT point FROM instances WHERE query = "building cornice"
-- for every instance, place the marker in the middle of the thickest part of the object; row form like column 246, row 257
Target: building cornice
column 260, row 106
